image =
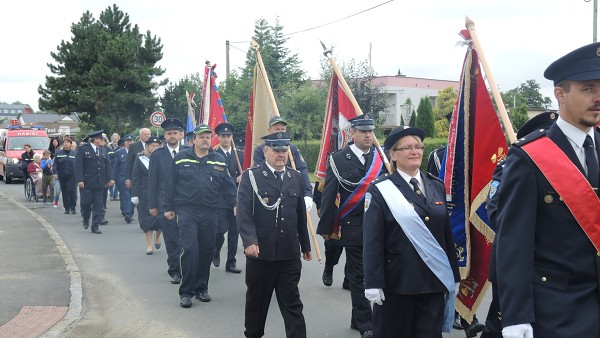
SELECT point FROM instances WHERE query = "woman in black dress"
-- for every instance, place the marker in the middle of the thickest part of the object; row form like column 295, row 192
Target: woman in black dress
column 139, row 196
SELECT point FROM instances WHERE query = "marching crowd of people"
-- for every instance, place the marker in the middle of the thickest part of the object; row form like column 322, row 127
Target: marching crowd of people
column 394, row 227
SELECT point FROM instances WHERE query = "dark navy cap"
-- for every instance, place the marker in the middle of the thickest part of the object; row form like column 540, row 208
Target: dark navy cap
column 277, row 119
column 171, row 123
column 153, row 139
column 128, row 137
column 362, row 122
column 94, row 134
column 278, row 141
column 580, row 64
column 540, row 121
column 401, row 131
column 202, row 128
column 120, row 142
column 224, row 129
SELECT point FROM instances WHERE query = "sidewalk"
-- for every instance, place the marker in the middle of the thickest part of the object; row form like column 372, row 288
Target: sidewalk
column 34, row 283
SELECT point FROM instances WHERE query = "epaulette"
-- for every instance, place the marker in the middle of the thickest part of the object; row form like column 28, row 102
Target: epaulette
column 290, row 168
column 435, row 177
column 530, row 137
column 381, row 178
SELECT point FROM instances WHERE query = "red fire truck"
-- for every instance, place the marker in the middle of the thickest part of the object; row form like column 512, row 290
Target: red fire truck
column 12, row 141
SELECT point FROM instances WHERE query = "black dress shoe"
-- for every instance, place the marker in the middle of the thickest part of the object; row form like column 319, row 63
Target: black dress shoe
column 353, row 326
column 128, row 219
column 102, row 222
column 96, row 231
column 203, row 297
column 67, row 211
column 175, row 279
column 367, row 334
column 346, row 284
column 216, row 262
column 328, row 276
column 473, row 329
column 233, row 269
column 86, row 224
column 185, row 302
column 73, row 212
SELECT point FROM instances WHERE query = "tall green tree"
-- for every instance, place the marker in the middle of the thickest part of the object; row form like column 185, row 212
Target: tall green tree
column 527, row 94
column 518, row 117
column 174, row 101
column 444, row 103
column 425, row 117
column 304, row 109
column 107, row 72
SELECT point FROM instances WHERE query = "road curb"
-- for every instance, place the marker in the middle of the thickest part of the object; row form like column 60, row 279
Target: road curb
column 75, row 304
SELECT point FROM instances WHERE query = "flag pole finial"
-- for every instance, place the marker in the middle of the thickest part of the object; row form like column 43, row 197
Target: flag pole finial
column 326, row 51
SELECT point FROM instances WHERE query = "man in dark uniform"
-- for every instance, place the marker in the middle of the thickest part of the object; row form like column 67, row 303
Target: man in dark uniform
column 493, row 328
column 119, row 174
column 227, row 221
column 63, row 169
column 349, row 169
column 195, row 181
column 92, row 174
column 134, row 150
column 160, row 164
column 278, row 124
column 547, row 246
column 272, row 224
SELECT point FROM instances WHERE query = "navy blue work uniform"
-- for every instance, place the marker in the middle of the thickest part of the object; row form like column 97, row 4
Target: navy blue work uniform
column 63, row 168
column 160, row 164
column 93, row 169
column 119, row 172
column 259, row 158
column 191, row 190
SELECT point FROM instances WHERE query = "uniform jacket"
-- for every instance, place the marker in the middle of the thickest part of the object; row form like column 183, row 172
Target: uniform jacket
column 63, row 163
column 194, row 181
column 134, row 150
column 547, row 269
column 231, row 162
column 112, row 149
column 160, row 164
column 390, row 260
column 350, row 168
column 94, row 171
column 139, row 181
column 435, row 160
column 259, row 158
column 280, row 234
column 119, row 164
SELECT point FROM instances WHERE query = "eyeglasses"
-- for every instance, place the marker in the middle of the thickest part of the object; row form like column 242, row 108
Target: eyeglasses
column 410, row 148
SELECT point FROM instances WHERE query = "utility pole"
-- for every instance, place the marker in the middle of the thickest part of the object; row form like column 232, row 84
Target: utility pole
column 226, row 59
column 595, row 20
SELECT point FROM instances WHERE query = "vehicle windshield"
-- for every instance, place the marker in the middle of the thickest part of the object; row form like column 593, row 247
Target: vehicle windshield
column 36, row 142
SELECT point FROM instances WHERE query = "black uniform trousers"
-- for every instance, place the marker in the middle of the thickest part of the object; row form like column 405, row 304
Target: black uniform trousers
column 333, row 251
column 170, row 233
column 92, row 203
column 227, row 223
column 361, row 309
column 409, row 316
column 197, row 228
column 68, row 188
column 262, row 277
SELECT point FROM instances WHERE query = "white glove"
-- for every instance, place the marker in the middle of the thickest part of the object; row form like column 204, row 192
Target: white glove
column 375, row 296
column 309, row 202
column 135, row 200
column 518, row 331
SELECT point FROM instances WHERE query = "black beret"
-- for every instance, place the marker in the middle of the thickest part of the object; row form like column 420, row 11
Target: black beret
column 580, row 64
column 401, row 131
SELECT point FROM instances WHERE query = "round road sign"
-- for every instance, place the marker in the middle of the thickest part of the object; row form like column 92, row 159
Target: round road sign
column 157, row 118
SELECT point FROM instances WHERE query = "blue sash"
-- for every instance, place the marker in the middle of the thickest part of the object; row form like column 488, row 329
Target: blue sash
column 426, row 245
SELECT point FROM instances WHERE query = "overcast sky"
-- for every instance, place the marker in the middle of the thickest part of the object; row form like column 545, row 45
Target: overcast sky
column 520, row 38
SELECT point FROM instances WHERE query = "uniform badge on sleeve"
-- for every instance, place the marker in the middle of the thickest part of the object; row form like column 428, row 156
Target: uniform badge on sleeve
column 367, row 201
column 493, row 188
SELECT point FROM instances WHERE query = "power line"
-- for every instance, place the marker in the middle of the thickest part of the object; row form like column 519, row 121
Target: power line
column 327, row 24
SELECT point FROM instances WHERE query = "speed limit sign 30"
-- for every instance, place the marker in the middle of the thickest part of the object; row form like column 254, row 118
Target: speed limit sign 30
column 157, row 118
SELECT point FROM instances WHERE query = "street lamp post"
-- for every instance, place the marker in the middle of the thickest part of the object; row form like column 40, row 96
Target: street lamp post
column 595, row 33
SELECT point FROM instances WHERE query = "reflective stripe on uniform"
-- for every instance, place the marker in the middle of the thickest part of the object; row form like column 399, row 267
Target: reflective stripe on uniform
column 214, row 162
column 186, row 160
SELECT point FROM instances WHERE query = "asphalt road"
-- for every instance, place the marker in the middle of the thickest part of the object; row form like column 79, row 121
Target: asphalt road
column 127, row 293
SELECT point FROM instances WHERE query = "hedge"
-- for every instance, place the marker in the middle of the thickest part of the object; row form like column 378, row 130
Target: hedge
column 311, row 150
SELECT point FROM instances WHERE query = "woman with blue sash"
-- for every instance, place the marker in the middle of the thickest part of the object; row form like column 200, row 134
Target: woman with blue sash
column 410, row 264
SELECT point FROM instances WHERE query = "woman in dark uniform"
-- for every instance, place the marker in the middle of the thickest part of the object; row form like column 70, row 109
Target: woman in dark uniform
column 410, row 265
column 139, row 196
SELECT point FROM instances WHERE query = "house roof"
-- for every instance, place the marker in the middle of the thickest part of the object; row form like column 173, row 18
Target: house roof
column 49, row 118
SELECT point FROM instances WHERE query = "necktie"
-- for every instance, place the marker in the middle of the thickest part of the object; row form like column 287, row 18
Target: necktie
column 418, row 191
column 174, row 153
column 226, row 154
column 97, row 153
column 279, row 174
column 591, row 163
column 367, row 157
